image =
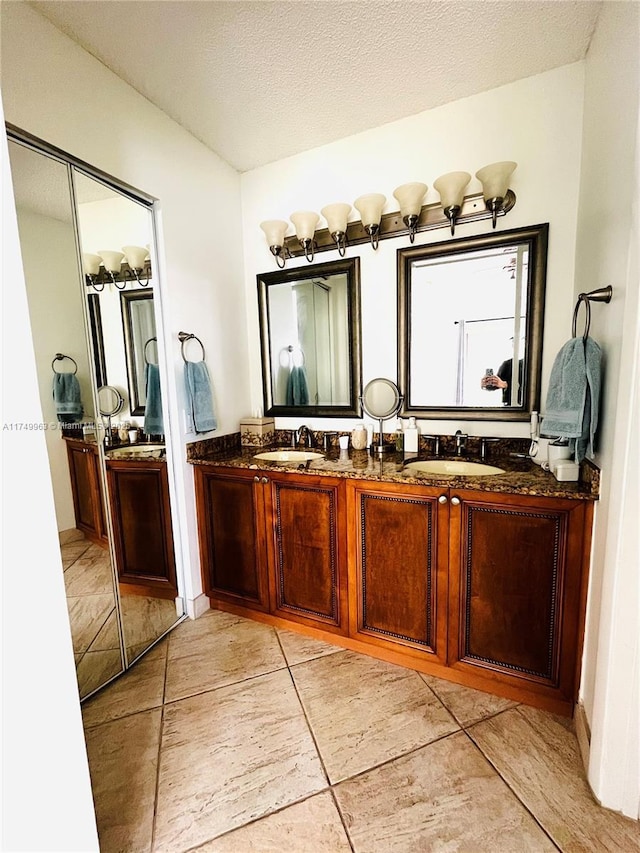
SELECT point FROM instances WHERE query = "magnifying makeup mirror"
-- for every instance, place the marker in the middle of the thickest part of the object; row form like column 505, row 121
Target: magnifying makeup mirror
column 381, row 399
column 110, row 402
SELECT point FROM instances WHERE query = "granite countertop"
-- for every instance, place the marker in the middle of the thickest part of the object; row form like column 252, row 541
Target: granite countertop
column 521, row 477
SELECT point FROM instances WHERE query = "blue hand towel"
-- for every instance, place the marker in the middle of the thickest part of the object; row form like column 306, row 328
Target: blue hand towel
column 199, row 396
column 297, row 388
column 153, row 423
column 573, row 396
column 66, row 395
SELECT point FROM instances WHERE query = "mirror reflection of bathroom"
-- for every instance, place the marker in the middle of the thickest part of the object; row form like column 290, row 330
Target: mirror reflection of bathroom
column 119, row 232
column 54, row 293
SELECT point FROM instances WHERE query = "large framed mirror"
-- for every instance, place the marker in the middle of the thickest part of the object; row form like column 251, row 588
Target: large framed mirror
column 120, row 577
column 310, row 340
column 468, row 311
column 140, row 343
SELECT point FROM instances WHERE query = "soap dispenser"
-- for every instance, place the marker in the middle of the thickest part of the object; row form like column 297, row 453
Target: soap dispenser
column 411, row 437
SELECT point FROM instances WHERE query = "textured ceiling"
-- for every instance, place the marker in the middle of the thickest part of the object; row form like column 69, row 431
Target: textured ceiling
column 259, row 81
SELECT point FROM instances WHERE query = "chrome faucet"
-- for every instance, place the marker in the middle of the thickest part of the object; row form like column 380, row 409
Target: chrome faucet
column 304, row 433
column 461, row 442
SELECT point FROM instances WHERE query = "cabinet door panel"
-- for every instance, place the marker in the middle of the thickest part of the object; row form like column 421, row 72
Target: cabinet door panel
column 306, row 549
column 400, row 555
column 230, row 546
column 86, row 492
column 139, row 496
column 518, row 580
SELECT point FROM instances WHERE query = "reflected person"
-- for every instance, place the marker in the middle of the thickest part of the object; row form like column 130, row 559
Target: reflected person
column 502, row 379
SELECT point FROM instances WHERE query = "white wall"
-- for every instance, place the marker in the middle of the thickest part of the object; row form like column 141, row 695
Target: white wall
column 47, row 802
column 50, row 88
column 607, row 253
column 518, row 122
column 57, row 325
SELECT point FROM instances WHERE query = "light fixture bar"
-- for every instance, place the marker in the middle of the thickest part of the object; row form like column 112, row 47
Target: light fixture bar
column 391, row 225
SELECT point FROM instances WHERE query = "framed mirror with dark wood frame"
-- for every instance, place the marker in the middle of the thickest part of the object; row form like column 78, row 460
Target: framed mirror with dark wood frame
column 311, row 340
column 468, row 310
column 140, row 343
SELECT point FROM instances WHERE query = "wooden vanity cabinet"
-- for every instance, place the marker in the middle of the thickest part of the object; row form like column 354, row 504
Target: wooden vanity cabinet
column 141, row 521
column 86, row 490
column 274, row 542
column 398, row 568
column 517, row 589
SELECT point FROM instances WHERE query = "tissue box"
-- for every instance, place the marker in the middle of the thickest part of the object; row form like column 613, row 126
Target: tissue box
column 566, row 472
column 257, row 432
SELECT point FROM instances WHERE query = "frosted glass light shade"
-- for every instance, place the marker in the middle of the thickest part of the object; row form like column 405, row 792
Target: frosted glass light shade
column 305, row 221
column 91, row 263
column 112, row 260
column 370, row 208
column 274, row 230
column 495, row 178
column 451, row 188
column 336, row 216
column 410, row 197
column 135, row 256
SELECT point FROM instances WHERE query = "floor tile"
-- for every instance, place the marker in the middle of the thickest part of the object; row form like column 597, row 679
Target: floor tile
column 108, row 637
column 96, row 668
column 123, row 760
column 538, row 756
column 73, row 551
column 364, row 711
column 87, row 615
column 139, row 689
column 144, row 619
column 219, row 649
column 298, row 647
column 230, row 756
column 443, row 797
column 313, row 826
column 91, row 574
column 467, row 706
column 65, row 537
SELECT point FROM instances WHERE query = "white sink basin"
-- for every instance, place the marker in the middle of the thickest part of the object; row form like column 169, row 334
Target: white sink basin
column 288, row 456
column 452, row 468
column 137, row 451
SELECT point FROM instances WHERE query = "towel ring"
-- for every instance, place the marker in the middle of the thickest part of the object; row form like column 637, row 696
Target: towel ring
column 603, row 294
column 60, row 357
column 146, row 360
column 187, row 336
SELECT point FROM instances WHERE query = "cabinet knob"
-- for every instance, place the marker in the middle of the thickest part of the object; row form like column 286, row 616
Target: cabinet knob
column 265, row 480
column 442, row 499
column 256, row 479
column 455, row 501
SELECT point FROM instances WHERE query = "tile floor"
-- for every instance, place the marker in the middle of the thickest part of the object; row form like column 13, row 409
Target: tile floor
column 88, row 579
column 234, row 737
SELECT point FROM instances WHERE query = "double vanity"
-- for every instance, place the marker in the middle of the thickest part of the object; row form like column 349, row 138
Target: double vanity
column 470, row 571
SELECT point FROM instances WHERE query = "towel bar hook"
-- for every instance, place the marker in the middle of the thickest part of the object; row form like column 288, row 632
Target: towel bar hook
column 146, row 360
column 183, row 337
column 602, row 294
column 60, row 356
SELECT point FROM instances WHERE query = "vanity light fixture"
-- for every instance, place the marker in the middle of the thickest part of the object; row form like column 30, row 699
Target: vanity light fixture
column 370, row 209
column 336, row 216
column 305, row 222
column 112, row 263
column 135, row 257
column 91, row 264
column 410, row 196
column 274, row 230
column 451, row 188
column 495, row 183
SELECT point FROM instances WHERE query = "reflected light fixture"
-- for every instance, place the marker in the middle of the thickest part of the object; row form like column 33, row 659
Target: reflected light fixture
column 451, row 188
column 91, row 264
column 135, row 257
column 336, row 216
column 495, row 183
column 410, row 197
column 305, row 222
column 370, row 209
column 112, row 262
column 274, row 230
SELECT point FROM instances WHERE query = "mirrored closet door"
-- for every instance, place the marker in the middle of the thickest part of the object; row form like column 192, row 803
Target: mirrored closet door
column 88, row 256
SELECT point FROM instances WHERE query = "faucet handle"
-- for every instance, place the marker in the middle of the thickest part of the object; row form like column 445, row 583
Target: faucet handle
column 436, row 443
column 484, row 441
column 326, row 440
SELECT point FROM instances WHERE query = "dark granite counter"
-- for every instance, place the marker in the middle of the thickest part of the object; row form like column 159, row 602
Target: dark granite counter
column 521, row 477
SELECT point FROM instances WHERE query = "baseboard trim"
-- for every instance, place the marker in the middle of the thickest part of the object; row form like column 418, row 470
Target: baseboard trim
column 583, row 734
column 197, row 607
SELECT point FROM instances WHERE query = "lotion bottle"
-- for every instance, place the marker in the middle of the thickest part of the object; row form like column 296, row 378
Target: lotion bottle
column 411, row 437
